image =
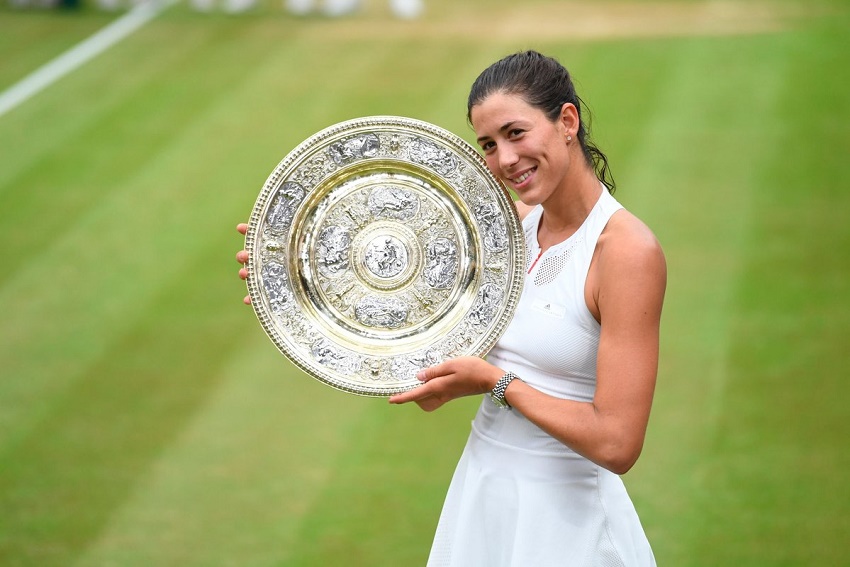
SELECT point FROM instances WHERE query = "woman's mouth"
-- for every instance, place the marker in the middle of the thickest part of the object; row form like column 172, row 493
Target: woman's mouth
column 519, row 180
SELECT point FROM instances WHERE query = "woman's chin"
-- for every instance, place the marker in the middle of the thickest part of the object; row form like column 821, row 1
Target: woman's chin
column 527, row 198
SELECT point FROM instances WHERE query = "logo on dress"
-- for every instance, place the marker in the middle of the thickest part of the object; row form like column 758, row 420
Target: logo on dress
column 549, row 308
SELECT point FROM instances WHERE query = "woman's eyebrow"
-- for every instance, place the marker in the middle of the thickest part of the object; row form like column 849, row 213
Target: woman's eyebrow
column 507, row 126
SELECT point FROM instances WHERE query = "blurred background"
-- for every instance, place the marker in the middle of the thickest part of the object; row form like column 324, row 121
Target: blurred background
column 146, row 419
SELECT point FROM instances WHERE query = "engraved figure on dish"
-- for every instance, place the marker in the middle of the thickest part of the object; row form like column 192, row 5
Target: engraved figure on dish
column 333, row 358
column 275, row 282
column 487, row 305
column 461, row 339
column 405, row 367
column 441, row 267
column 492, row 225
column 338, row 295
column 427, row 153
column 390, row 201
column 355, row 148
column 332, row 250
column 386, row 257
column 382, row 312
column 283, row 206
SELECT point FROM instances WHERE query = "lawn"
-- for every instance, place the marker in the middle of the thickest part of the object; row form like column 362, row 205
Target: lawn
column 146, row 419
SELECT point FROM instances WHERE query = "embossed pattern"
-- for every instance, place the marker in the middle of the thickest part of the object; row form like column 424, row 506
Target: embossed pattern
column 380, row 246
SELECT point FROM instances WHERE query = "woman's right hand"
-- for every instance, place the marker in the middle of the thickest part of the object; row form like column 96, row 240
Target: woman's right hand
column 449, row 380
column 242, row 258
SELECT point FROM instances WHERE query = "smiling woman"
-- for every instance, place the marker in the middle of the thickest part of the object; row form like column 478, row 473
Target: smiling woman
column 539, row 485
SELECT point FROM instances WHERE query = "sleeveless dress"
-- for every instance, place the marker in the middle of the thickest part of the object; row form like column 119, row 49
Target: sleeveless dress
column 519, row 497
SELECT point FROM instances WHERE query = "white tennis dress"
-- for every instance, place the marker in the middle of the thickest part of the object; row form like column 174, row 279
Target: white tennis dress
column 519, row 497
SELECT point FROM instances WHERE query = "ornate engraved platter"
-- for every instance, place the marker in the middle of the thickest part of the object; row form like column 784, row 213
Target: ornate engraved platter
column 380, row 246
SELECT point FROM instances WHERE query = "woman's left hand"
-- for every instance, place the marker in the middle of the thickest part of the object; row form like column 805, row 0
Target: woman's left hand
column 455, row 378
column 242, row 258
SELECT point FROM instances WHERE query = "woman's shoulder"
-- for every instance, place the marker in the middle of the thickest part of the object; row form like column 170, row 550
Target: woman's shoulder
column 629, row 265
column 627, row 239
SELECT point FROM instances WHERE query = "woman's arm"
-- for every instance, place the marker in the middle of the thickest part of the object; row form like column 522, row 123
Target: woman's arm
column 626, row 287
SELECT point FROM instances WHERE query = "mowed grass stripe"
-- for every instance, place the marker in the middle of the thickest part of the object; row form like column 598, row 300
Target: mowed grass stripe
column 232, row 487
column 775, row 458
column 56, row 130
column 69, row 302
column 701, row 489
column 31, row 38
column 704, row 214
column 63, row 480
column 382, row 504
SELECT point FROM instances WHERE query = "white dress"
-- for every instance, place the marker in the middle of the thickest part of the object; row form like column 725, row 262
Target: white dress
column 519, row 497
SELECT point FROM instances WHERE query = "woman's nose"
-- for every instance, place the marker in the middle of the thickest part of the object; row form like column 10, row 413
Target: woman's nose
column 507, row 158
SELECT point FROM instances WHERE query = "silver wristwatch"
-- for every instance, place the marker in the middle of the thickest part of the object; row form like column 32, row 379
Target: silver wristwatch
column 498, row 393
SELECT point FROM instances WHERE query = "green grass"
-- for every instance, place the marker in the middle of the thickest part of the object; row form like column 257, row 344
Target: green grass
column 145, row 419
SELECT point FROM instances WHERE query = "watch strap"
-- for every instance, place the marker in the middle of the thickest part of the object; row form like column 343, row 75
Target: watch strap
column 498, row 392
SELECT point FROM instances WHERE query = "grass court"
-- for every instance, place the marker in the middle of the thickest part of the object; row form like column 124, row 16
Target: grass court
column 145, row 418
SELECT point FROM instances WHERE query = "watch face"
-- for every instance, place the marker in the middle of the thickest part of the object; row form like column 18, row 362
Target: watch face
column 380, row 246
column 499, row 401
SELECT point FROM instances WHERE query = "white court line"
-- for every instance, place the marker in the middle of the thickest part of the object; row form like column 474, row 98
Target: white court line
column 89, row 48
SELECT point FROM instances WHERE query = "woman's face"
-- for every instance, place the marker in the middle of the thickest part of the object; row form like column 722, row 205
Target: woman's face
column 522, row 146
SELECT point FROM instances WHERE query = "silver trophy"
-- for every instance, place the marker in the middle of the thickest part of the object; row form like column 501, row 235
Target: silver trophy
column 380, row 246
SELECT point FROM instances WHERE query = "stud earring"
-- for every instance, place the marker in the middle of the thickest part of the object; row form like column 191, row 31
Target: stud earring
column 569, row 139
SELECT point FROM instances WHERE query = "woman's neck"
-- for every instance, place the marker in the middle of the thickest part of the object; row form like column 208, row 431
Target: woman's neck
column 566, row 210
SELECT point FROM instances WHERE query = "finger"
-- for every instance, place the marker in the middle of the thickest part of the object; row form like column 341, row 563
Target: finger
column 242, row 227
column 247, row 300
column 431, row 372
column 242, row 256
column 414, row 395
column 243, row 273
column 401, row 398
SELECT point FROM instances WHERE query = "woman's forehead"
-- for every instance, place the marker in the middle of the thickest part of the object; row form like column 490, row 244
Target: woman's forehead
column 500, row 108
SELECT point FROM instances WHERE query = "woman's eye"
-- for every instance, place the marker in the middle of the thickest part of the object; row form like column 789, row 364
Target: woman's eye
column 487, row 146
column 515, row 132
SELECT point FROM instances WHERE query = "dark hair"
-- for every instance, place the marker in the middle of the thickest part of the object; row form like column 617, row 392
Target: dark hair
column 545, row 84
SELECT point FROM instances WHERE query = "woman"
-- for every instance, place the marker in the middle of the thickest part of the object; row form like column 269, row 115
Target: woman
column 571, row 381
column 537, row 485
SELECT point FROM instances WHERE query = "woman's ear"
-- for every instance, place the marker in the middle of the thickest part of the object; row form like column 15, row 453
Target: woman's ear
column 569, row 119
